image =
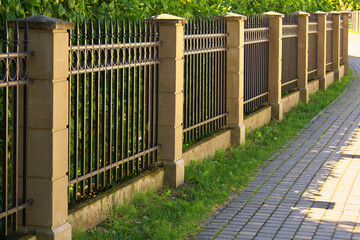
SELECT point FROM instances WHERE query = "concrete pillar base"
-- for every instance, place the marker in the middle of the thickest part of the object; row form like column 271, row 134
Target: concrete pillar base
column 336, row 75
column 62, row 232
column 346, row 68
column 322, row 83
column 174, row 172
column 277, row 111
column 238, row 134
column 304, row 95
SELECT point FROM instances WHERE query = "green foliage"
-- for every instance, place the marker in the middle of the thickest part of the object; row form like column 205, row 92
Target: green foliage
column 176, row 213
column 70, row 9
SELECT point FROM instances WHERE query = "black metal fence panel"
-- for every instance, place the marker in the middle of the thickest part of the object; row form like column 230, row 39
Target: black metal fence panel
column 341, row 41
column 329, row 42
column 289, row 75
column 13, row 103
column 312, row 44
column 204, row 77
column 256, row 62
column 113, row 99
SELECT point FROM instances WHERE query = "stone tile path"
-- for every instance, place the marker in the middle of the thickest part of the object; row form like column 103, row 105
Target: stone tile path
column 311, row 190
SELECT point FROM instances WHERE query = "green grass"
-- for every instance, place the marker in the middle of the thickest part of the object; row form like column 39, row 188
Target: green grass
column 177, row 213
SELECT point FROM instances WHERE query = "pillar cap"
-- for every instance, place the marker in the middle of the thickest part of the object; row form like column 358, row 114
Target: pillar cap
column 321, row 13
column 335, row 12
column 301, row 13
column 43, row 22
column 345, row 12
column 275, row 14
column 168, row 18
column 233, row 16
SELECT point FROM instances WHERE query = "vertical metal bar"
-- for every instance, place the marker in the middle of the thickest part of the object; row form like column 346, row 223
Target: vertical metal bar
column 201, row 79
column 76, row 146
column 151, row 81
column 149, row 96
column 104, row 105
column 146, row 97
column 127, row 129
column 110, row 62
column 134, row 124
column 116, row 99
column 70, row 114
column 224, row 73
column 83, row 157
column 142, row 56
column 5, row 135
column 207, row 78
column 15, row 144
column 194, row 80
column 25, row 171
column 91, row 100
column 122, row 101
column 213, row 67
column 137, row 59
column 154, row 126
column 186, row 79
column 97, row 127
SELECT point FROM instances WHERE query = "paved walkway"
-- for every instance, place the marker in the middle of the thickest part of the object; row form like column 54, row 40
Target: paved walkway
column 312, row 189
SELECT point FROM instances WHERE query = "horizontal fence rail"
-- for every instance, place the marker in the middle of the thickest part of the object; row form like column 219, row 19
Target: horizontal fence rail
column 313, row 46
column 256, row 61
column 113, row 101
column 13, row 155
column 289, row 76
column 204, row 77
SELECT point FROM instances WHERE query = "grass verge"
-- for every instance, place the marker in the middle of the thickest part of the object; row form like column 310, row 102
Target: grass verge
column 177, row 213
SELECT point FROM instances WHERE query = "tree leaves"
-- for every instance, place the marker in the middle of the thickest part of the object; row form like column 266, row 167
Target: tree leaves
column 135, row 9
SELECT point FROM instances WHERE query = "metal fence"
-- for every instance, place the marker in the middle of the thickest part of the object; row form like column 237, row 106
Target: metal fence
column 329, row 42
column 312, row 44
column 113, row 101
column 256, row 61
column 13, row 104
column 289, row 75
column 204, row 77
column 341, row 39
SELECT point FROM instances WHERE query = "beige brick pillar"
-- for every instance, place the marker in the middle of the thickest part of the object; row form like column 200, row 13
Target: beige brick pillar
column 171, row 78
column 336, row 45
column 345, row 42
column 275, row 61
column 47, row 133
column 321, row 49
column 303, row 48
column 235, row 77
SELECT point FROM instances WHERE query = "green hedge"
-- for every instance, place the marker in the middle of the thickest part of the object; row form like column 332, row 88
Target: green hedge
column 69, row 9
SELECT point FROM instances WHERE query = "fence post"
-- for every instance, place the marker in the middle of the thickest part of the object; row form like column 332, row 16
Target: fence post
column 321, row 49
column 171, row 79
column 235, row 76
column 303, row 48
column 47, row 132
column 345, row 42
column 336, row 45
column 275, row 56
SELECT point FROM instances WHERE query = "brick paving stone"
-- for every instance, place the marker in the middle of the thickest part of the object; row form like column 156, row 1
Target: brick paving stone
column 316, row 169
